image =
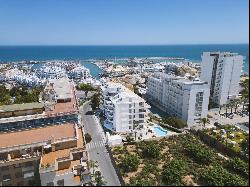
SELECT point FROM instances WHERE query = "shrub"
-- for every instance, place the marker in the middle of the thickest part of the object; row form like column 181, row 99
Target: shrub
column 212, row 104
column 209, row 116
column 85, row 87
column 199, row 153
column 217, row 176
column 151, row 150
column 173, row 172
column 238, row 166
column 95, row 101
column 130, row 162
column 245, row 145
column 88, row 138
column 139, row 181
column 175, row 122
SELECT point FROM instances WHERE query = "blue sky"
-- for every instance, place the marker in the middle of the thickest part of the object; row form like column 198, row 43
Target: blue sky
column 119, row 22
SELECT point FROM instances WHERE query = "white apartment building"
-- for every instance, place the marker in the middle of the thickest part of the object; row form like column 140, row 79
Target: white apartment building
column 179, row 96
column 222, row 71
column 51, row 72
column 22, row 78
column 79, row 72
column 123, row 108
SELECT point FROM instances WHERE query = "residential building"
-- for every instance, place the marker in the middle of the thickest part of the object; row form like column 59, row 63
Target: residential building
column 79, row 72
column 222, row 71
column 62, row 108
column 23, row 78
column 123, row 108
column 52, row 155
column 51, row 72
column 24, row 109
column 179, row 96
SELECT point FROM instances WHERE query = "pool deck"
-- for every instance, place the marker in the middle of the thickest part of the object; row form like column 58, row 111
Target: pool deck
column 152, row 128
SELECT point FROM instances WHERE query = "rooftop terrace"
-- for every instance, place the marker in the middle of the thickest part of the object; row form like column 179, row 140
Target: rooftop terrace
column 65, row 107
column 8, row 140
column 24, row 106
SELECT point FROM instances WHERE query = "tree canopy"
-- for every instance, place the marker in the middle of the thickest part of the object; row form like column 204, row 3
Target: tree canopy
column 218, row 176
column 173, row 172
column 150, row 150
column 199, row 153
column 20, row 95
column 85, row 87
column 130, row 162
column 238, row 166
column 95, row 101
column 175, row 122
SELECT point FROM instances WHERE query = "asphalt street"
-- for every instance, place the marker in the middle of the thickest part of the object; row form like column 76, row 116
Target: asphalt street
column 96, row 148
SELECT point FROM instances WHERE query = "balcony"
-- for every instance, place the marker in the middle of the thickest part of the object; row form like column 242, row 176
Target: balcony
column 48, row 168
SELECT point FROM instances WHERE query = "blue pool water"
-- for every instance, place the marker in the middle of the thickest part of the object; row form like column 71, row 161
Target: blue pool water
column 160, row 131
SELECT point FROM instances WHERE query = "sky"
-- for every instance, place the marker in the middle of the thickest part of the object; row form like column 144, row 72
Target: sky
column 123, row 22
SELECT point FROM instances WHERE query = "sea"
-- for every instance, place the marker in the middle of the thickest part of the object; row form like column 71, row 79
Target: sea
column 86, row 53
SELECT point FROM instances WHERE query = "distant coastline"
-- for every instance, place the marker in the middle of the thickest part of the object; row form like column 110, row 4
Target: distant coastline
column 188, row 51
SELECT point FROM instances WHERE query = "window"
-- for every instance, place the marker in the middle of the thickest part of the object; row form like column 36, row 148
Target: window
column 28, row 164
column 18, row 175
column 31, row 182
column 5, row 168
column 50, row 184
column 141, row 115
column 21, row 183
column 130, row 127
column 18, row 165
column 141, row 104
column 60, row 182
column 6, row 177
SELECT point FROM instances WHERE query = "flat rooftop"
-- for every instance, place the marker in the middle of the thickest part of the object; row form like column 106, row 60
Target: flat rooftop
column 24, row 106
column 70, row 106
column 62, row 88
column 37, row 135
column 49, row 158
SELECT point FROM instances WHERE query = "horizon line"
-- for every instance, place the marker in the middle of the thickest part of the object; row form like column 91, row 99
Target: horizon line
column 89, row 45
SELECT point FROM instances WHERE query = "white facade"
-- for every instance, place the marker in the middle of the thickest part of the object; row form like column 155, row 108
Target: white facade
column 22, row 78
column 179, row 96
column 51, row 72
column 79, row 72
column 123, row 108
column 222, row 71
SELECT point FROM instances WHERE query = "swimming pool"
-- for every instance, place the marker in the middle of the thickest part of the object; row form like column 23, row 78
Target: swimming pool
column 160, row 131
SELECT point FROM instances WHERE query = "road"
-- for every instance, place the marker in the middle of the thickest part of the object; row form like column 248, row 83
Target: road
column 96, row 148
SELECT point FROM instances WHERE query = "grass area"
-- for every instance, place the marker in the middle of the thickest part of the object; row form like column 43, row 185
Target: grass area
column 177, row 160
column 229, row 135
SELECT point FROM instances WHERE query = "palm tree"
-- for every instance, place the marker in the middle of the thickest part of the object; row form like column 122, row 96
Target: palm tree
column 92, row 165
column 135, row 127
column 220, row 108
column 231, row 105
column 99, row 178
column 226, row 105
column 244, row 100
column 236, row 104
column 204, row 121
